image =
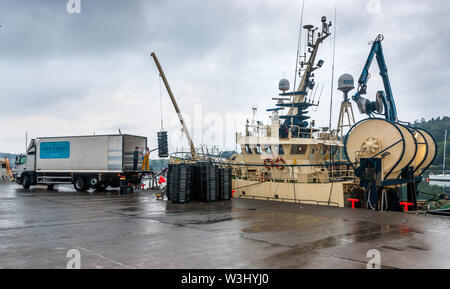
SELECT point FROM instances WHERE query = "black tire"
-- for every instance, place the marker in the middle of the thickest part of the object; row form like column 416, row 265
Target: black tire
column 26, row 182
column 50, row 187
column 94, row 183
column 80, row 184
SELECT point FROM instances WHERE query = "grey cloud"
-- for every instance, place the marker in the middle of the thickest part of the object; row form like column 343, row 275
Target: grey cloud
column 224, row 54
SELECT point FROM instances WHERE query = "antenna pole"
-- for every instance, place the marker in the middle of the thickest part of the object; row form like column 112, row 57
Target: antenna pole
column 298, row 45
column 296, row 60
column 320, row 96
column 332, row 73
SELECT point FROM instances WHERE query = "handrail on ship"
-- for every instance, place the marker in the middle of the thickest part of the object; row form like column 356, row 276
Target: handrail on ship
column 286, row 175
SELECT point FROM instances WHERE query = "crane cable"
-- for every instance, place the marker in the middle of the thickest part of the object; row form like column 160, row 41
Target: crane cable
column 160, row 103
column 331, row 107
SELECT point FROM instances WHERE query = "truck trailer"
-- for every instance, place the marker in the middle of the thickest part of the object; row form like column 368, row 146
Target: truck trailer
column 94, row 161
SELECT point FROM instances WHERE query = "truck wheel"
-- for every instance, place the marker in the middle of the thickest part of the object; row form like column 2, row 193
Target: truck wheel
column 80, row 184
column 50, row 187
column 94, row 183
column 26, row 182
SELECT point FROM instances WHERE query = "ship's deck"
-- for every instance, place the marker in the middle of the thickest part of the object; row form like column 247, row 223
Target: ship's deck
column 37, row 228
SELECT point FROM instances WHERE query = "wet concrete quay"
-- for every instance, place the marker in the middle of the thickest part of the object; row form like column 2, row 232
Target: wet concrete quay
column 39, row 227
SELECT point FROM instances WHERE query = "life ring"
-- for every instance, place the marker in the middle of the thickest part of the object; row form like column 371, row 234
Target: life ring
column 278, row 165
column 268, row 163
column 262, row 177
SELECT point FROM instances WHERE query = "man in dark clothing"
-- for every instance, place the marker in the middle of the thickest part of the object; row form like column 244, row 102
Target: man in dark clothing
column 135, row 158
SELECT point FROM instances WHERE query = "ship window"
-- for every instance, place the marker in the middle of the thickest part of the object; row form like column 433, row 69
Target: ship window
column 298, row 149
column 267, row 149
column 248, row 150
column 258, row 149
column 278, row 149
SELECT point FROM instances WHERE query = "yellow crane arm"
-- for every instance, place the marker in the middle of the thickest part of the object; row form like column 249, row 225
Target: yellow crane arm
column 175, row 105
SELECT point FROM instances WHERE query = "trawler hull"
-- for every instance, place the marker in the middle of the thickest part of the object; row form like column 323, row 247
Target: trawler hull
column 325, row 194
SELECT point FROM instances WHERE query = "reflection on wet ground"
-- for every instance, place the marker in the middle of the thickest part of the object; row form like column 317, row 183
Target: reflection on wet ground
column 38, row 227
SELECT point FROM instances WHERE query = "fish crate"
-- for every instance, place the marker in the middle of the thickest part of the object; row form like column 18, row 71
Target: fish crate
column 170, row 177
column 179, row 183
column 202, row 182
column 225, row 183
column 206, row 178
column 195, row 184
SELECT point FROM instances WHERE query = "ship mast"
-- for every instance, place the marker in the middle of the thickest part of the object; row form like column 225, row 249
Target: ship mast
column 313, row 45
column 295, row 124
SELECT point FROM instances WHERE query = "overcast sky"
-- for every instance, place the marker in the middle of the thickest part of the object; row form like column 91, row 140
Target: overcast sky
column 91, row 72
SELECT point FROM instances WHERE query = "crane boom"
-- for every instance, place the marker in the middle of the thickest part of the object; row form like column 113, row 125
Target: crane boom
column 175, row 105
column 386, row 96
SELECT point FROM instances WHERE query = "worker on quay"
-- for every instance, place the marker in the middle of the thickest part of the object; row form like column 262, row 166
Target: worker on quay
column 145, row 163
column 135, row 158
column 6, row 165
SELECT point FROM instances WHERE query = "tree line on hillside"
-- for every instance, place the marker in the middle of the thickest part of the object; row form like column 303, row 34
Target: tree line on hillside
column 436, row 127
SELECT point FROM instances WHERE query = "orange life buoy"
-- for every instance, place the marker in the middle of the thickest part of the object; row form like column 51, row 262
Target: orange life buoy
column 262, row 178
column 268, row 163
column 278, row 165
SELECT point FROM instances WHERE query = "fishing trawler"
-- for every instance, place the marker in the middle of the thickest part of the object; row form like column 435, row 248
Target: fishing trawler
column 290, row 159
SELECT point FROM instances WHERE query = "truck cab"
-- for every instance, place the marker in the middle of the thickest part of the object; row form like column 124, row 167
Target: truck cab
column 26, row 167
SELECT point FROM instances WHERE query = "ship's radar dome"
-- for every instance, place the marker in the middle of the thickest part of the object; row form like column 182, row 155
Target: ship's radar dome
column 283, row 85
column 346, row 83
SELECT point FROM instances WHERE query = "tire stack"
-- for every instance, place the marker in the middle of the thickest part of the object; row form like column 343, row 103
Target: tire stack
column 202, row 182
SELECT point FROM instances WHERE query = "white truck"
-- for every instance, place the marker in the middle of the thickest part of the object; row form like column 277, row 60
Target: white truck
column 95, row 161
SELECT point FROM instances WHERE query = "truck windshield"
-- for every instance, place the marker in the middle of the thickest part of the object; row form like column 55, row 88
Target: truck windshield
column 23, row 160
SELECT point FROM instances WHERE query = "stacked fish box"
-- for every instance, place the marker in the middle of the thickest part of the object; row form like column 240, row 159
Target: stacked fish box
column 206, row 181
column 224, row 183
column 203, row 182
column 178, row 182
column 170, row 178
